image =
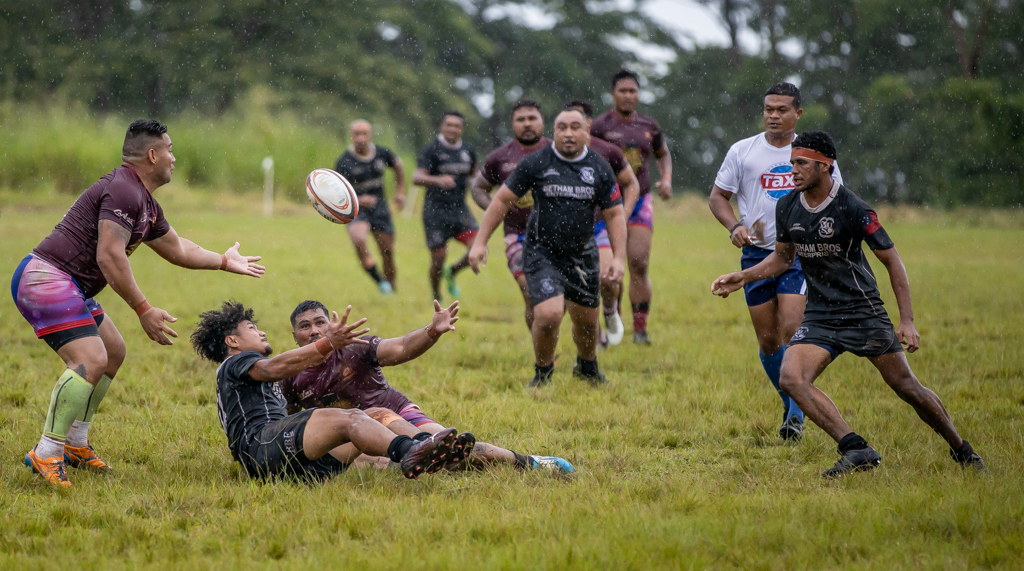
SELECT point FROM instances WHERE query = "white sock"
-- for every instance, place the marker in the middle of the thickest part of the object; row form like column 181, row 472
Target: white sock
column 50, row 448
column 78, row 435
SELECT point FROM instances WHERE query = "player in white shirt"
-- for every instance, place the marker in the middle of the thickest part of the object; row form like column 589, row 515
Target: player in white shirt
column 758, row 172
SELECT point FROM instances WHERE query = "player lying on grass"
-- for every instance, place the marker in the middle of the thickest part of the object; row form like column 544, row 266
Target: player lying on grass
column 55, row 287
column 316, row 443
column 351, row 377
column 825, row 223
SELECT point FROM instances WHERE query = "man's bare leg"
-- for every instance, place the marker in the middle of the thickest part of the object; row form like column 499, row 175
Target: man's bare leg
column 897, row 374
column 527, row 301
column 800, row 368
column 386, row 244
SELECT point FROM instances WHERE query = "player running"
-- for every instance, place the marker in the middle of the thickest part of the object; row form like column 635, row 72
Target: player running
column 528, row 130
column 54, row 289
column 560, row 258
column 758, row 172
column 352, row 377
column 610, row 291
column 444, row 167
column 824, row 223
column 363, row 164
column 314, row 444
column 639, row 137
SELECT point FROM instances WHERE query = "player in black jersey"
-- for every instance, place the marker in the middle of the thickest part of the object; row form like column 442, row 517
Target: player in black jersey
column 363, row 164
column 824, row 223
column 560, row 255
column 444, row 167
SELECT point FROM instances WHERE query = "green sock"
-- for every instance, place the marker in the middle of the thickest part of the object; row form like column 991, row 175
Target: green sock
column 98, row 393
column 69, row 398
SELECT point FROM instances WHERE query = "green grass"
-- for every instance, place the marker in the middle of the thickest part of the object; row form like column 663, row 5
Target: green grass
column 679, row 465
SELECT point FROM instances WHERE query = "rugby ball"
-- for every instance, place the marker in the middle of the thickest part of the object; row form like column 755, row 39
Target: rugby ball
column 332, row 196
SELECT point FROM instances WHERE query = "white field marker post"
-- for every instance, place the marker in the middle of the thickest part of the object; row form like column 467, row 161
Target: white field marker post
column 268, row 187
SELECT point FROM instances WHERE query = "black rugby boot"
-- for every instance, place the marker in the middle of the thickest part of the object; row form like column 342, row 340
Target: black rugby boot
column 859, row 460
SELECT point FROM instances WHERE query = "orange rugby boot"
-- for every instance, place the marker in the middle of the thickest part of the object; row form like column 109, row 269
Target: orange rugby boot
column 51, row 469
column 84, row 457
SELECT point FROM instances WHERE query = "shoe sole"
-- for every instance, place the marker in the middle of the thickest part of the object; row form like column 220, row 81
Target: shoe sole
column 462, row 448
column 433, row 459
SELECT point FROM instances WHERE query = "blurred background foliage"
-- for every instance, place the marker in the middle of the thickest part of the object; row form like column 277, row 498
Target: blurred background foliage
column 924, row 97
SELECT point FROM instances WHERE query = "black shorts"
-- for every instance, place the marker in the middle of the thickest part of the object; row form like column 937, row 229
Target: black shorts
column 378, row 217
column 276, row 451
column 442, row 222
column 864, row 337
column 578, row 278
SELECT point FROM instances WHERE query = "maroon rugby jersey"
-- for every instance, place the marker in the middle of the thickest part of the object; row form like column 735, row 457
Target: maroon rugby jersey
column 119, row 196
column 499, row 164
column 615, row 158
column 637, row 138
column 353, row 375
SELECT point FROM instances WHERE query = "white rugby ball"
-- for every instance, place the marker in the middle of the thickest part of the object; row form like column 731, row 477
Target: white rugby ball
column 332, row 196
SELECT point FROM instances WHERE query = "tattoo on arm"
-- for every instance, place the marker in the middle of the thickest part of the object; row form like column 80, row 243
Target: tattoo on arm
column 109, row 226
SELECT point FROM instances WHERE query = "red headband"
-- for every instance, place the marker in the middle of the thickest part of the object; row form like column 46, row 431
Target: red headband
column 806, row 153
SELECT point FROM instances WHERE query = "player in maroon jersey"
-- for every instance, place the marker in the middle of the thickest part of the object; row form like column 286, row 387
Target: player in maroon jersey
column 611, row 291
column 639, row 137
column 352, row 377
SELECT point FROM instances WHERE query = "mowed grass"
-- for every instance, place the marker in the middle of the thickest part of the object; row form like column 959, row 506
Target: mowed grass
column 678, row 461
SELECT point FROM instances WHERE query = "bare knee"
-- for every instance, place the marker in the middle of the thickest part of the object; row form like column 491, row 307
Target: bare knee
column 638, row 266
column 790, row 382
column 547, row 318
column 116, row 353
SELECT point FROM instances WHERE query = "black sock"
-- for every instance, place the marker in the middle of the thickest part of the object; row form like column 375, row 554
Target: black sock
column 963, row 453
column 852, row 442
column 522, row 462
column 421, row 437
column 399, row 447
column 541, row 371
column 372, row 270
column 644, row 306
column 588, row 368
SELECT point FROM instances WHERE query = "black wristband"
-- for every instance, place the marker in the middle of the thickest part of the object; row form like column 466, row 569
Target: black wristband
column 733, row 229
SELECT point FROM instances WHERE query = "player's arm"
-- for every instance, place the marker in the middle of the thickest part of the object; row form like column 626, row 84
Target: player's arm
column 499, row 207
column 421, row 177
column 290, row 363
column 113, row 263
column 399, row 350
column 774, row 265
column 615, row 222
column 399, row 169
column 187, row 254
column 631, row 189
column 480, row 190
column 906, row 332
column 722, row 209
column 664, row 158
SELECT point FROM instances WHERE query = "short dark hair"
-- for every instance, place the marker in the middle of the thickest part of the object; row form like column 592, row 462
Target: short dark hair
column 306, row 306
column 455, row 113
column 585, row 106
column 787, row 89
column 625, row 74
column 140, row 136
column 215, row 325
column 524, row 103
column 817, row 141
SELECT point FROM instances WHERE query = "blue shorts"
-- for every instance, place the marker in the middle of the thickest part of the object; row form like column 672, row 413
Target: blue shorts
column 642, row 215
column 763, row 291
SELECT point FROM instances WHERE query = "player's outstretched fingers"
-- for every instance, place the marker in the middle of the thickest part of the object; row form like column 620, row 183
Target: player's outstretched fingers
column 453, row 309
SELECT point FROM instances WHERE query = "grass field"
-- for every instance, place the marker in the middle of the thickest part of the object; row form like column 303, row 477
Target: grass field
column 679, row 465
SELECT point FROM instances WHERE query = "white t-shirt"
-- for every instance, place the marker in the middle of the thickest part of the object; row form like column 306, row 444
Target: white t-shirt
column 759, row 174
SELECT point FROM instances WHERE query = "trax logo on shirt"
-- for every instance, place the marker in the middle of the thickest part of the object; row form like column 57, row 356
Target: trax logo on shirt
column 777, row 181
column 587, row 175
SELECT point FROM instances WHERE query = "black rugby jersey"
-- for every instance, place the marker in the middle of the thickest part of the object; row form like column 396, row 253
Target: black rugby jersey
column 564, row 196
column 245, row 405
column 840, row 283
column 440, row 158
column 367, row 177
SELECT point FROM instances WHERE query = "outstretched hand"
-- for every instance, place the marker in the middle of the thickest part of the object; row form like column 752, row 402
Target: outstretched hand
column 153, row 323
column 444, row 319
column 340, row 334
column 244, row 265
column 727, row 284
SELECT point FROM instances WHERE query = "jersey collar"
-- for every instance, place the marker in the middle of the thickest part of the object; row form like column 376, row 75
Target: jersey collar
column 582, row 156
column 373, row 153
column 447, row 145
column 824, row 203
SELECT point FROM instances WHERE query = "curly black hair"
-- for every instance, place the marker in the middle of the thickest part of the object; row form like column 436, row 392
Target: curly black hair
column 787, row 89
column 306, row 306
column 214, row 326
column 140, row 137
column 817, row 141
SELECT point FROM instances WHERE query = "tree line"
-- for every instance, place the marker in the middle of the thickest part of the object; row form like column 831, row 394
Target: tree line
column 924, row 97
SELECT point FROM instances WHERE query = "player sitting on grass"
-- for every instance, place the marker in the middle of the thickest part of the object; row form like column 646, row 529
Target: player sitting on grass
column 351, row 377
column 825, row 223
column 314, row 444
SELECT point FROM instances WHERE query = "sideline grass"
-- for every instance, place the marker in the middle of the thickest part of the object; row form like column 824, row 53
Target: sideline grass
column 679, row 465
